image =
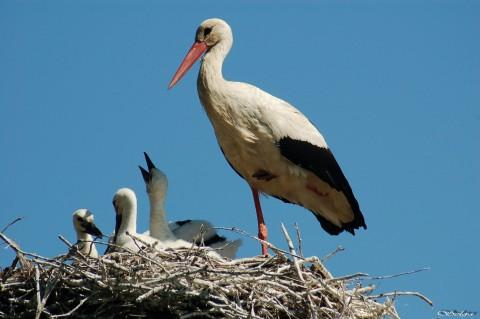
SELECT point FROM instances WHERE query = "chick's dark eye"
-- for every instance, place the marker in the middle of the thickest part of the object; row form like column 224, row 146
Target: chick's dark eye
column 207, row 31
column 79, row 219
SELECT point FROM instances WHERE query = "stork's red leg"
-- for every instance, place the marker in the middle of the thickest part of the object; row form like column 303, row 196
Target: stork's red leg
column 262, row 228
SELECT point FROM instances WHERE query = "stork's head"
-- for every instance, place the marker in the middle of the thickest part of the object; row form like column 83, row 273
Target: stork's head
column 124, row 201
column 125, row 204
column 156, row 181
column 83, row 223
column 211, row 33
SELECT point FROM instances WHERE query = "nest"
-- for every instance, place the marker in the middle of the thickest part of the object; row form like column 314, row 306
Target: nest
column 184, row 283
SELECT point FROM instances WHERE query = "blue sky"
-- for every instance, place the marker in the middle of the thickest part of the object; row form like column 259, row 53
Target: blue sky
column 393, row 86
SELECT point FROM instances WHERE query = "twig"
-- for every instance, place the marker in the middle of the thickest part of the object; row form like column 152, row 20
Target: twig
column 69, row 244
column 400, row 274
column 368, row 277
column 333, row 253
column 313, row 314
column 17, row 249
column 269, row 245
column 348, row 277
column 73, row 310
column 187, row 283
column 299, row 239
column 10, row 224
column 20, row 254
column 39, row 309
column 402, row 293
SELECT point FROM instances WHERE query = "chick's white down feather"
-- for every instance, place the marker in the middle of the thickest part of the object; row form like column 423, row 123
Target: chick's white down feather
column 193, row 231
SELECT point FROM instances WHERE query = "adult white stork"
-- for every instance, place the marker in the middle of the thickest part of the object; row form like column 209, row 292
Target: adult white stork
column 267, row 141
column 85, row 229
column 156, row 183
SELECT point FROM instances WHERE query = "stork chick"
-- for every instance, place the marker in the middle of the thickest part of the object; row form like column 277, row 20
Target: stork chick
column 85, row 229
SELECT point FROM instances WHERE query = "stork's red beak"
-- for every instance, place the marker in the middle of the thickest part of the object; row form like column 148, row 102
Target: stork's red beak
column 195, row 52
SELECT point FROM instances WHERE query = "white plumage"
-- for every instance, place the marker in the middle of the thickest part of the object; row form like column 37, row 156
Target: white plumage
column 126, row 236
column 267, row 141
column 85, row 228
column 125, row 204
column 156, row 184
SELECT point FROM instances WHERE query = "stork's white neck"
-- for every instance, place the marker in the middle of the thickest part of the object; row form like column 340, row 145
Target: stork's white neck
column 158, row 218
column 211, row 85
column 129, row 219
column 86, row 245
column 210, row 76
column 83, row 236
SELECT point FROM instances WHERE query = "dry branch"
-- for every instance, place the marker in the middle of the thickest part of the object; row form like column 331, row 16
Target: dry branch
column 185, row 283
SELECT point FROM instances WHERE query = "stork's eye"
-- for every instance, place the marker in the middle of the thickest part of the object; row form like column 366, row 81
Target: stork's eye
column 207, row 31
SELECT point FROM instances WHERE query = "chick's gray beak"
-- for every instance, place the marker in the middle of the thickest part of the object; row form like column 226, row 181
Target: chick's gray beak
column 118, row 222
column 92, row 229
column 150, row 164
column 146, row 175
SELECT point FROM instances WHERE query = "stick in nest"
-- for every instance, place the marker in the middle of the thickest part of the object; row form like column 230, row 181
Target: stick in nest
column 182, row 282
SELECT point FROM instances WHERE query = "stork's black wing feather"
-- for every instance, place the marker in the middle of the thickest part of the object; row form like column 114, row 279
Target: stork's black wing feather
column 321, row 162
